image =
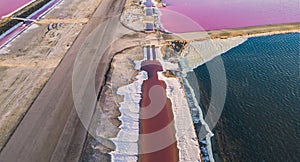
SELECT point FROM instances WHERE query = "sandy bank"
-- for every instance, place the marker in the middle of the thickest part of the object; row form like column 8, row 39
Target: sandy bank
column 255, row 31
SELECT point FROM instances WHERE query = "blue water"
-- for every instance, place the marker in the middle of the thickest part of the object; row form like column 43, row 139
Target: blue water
column 261, row 117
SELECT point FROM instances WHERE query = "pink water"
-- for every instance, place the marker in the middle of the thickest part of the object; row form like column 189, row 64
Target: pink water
column 9, row 6
column 224, row 14
column 7, row 37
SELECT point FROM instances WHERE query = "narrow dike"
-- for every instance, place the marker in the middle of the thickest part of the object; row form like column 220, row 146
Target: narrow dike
column 8, row 23
column 163, row 120
column 11, row 28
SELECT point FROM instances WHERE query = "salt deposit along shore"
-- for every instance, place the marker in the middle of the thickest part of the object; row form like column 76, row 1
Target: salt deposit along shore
column 209, row 45
column 129, row 108
column 127, row 139
column 28, row 66
column 185, row 133
column 182, row 110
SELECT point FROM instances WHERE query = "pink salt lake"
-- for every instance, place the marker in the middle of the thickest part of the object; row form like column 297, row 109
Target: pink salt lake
column 9, row 6
column 195, row 15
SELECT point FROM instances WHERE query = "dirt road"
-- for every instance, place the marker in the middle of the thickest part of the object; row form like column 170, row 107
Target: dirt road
column 51, row 129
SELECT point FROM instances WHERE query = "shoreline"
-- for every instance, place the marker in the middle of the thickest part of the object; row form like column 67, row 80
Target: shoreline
column 214, row 141
column 195, row 108
column 220, row 36
column 222, row 144
column 253, row 31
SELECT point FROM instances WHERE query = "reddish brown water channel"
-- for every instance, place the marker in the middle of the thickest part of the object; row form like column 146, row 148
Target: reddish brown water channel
column 154, row 99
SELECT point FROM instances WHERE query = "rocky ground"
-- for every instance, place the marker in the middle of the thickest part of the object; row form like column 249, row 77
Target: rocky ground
column 27, row 63
column 133, row 15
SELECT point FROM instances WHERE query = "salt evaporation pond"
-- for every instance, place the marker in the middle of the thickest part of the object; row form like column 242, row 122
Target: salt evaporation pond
column 260, row 120
column 8, row 6
column 224, row 14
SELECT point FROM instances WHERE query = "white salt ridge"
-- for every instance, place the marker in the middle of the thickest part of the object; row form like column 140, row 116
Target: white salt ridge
column 129, row 115
column 187, row 143
column 185, row 134
column 209, row 134
column 200, row 52
column 138, row 64
column 127, row 139
column 132, row 108
column 123, row 158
